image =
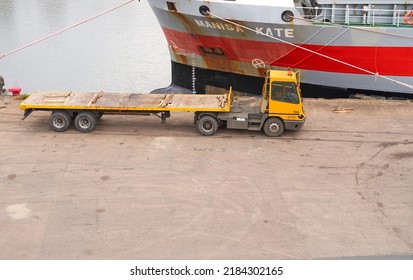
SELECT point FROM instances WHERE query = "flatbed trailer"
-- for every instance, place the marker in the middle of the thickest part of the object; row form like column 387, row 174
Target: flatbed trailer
column 67, row 106
column 271, row 112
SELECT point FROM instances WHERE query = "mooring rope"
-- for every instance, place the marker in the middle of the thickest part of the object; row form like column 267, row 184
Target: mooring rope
column 65, row 29
column 314, row 52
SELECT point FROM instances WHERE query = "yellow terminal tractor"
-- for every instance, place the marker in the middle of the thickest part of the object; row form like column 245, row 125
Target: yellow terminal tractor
column 279, row 108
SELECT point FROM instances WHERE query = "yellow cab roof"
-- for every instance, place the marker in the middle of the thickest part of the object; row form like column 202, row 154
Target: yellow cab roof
column 283, row 75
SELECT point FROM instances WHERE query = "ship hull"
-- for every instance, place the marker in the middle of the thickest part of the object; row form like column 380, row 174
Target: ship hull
column 213, row 52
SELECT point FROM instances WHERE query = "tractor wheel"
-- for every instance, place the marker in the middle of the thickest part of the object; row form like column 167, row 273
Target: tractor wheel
column 274, row 127
column 207, row 125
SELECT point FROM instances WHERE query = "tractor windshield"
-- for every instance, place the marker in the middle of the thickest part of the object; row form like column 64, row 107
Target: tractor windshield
column 284, row 92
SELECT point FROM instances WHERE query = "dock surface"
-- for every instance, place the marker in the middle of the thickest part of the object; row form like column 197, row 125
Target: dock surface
column 134, row 188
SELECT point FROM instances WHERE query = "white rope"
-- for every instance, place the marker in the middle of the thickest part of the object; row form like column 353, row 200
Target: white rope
column 65, row 29
column 316, row 53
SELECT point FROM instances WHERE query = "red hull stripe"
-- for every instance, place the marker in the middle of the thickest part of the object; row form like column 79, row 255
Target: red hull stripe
column 389, row 61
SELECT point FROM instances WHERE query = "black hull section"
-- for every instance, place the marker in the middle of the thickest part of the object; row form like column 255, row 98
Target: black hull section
column 205, row 79
column 211, row 81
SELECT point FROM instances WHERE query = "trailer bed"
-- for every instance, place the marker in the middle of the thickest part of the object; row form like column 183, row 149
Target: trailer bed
column 124, row 102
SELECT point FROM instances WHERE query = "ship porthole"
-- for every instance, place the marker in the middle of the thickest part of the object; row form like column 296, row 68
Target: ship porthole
column 204, row 10
column 287, row 16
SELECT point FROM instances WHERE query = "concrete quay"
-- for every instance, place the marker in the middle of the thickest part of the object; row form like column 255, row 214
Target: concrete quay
column 138, row 189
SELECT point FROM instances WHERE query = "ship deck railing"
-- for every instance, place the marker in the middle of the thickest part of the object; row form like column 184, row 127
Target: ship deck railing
column 366, row 16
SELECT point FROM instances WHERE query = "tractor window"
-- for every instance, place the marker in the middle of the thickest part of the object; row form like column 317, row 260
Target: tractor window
column 284, row 92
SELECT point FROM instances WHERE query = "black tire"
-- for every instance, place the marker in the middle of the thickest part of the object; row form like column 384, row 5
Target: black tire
column 207, row 125
column 274, row 127
column 85, row 121
column 60, row 121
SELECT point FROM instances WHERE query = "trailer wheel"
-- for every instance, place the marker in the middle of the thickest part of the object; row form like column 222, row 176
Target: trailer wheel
column 274, row 127
column 85, row 121
column 207, row 125
column 60, row 121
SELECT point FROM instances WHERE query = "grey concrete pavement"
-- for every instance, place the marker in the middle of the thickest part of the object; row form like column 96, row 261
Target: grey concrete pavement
column 136, row 189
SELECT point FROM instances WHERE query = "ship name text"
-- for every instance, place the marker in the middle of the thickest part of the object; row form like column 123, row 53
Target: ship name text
column 268, row 31
column 218, row 25
column 275, row 32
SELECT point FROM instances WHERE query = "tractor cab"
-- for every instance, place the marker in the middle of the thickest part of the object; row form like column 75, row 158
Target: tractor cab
column 281, row 96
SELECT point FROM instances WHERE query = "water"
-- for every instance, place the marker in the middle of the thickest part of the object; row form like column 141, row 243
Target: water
column 123, row 51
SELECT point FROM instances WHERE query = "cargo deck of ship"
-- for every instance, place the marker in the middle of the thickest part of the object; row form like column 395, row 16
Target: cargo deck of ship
column 137, row 189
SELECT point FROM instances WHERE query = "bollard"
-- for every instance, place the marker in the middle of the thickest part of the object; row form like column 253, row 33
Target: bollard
column 15, row 91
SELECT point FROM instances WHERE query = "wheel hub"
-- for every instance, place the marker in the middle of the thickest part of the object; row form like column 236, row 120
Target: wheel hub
column 84, row 123
column 58, row 122
column 207, row 126
column 274, row 127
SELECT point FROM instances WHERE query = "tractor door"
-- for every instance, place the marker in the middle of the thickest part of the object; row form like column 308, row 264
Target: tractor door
column 285, row 100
